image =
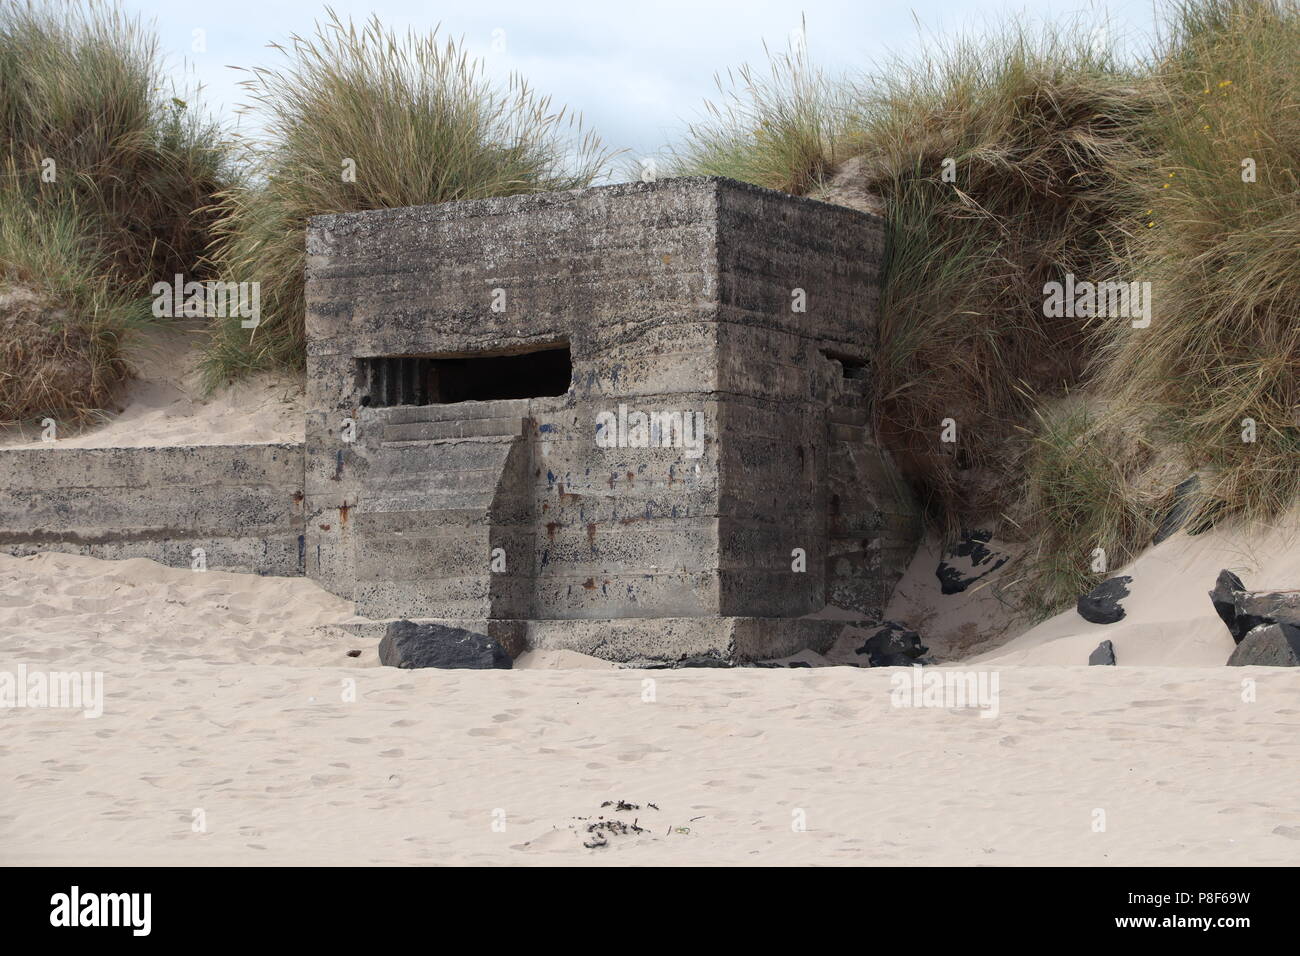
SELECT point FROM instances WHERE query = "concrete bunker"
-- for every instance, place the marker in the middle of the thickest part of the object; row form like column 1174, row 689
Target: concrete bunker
column 633, row 421
column 479, row 375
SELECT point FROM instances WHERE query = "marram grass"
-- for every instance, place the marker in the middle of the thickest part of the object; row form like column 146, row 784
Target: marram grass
column 360, row 118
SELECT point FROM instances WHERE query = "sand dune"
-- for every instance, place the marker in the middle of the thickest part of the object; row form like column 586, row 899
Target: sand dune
column 1169, row 619
column 225, row 694
column 165, row 403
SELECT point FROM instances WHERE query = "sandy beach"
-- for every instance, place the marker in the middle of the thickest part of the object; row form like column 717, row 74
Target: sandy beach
column 240, row 725
column 226, row 738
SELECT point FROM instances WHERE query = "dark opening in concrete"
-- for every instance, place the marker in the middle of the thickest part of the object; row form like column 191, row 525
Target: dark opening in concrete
column 850, row 367
column 432, row 380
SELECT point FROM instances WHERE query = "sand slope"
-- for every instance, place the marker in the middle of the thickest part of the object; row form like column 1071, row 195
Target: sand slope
column 225, row 693
column 953, row 626
column 166, row 405
column 1168, row 615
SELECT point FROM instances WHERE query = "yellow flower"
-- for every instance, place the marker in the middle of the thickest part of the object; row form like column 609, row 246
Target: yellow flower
column 1150, row 224
column 1225, row 83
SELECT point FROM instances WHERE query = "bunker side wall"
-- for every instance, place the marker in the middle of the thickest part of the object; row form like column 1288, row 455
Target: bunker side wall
column 811, row 514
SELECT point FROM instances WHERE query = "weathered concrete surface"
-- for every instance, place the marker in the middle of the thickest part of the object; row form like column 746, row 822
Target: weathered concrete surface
column 678, row 296
column 669, row 639
column 535, row 520
column 241, row 504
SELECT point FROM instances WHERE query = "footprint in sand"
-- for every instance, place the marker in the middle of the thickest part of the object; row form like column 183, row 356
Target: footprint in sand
column 329, row 779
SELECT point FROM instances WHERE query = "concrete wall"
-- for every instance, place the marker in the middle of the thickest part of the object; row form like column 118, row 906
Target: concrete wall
column 242, row 504
column 780, row 387
column 627, row 276
column 672, row 296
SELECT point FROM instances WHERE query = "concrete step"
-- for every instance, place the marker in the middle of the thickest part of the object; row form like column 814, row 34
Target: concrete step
column 432, row 482
column 855, row 386
column 462, row 428
column 843, row 415
column 457, row 412
column 444, row 553
column 415, row 463
column 449, row 441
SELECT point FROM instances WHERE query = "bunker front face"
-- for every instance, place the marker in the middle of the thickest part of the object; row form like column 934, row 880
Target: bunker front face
column 629, row 420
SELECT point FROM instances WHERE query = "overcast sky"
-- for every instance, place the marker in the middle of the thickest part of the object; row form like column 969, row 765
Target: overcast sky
column 638, row 70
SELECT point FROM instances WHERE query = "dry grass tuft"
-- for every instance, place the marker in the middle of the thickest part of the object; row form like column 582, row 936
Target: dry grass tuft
column 415, row 119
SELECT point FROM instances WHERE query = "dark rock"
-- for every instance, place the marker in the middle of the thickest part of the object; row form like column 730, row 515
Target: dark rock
column 1278, row 607
column 1101, row 604
column 1176, row 517
column 951, row 581
column 1228, row 597
column 702, row 660
column 969, row 555
column 1269, row 645
column 1104, row 654
column 694, row 660
column 407, row 644
column 893, row 646
column 1223, row 597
